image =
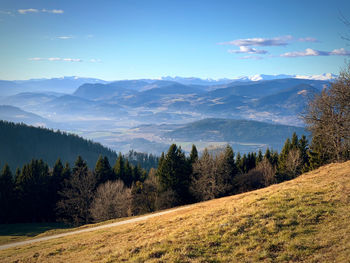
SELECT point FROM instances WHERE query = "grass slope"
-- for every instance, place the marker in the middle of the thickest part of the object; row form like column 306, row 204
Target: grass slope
column 303, row 220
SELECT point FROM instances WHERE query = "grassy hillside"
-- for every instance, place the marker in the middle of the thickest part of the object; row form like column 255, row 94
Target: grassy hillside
column 303, row 220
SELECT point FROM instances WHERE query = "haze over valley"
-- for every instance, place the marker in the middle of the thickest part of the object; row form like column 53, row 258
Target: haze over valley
column 146, row 114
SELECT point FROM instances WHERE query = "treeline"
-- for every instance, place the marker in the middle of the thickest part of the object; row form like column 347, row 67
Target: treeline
column 78, row 195
column 37, row 193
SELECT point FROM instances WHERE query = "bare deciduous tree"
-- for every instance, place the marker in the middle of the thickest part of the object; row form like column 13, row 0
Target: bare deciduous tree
column 328, row 119
column 293, row 163
column 112, row 200
column 268, row 172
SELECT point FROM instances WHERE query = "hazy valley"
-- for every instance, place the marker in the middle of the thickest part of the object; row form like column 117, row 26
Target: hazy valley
column 144, row 114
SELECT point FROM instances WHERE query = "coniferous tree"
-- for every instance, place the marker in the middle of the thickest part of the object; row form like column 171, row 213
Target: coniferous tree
column 193, row 154
column 294, row 143
column 174, row 172
column 103, row 170
column 119, row 167
column 138, row 174
column 259, row 157
column 127, row 174
column 6, row 195
column 239, row 163
column 227, row 170
column 145, row 194
column 77, row 195
column 282, row 173
column 55, row 185
column 32, row 187
column 267, row 155
column 66, row 172
column 303, row 146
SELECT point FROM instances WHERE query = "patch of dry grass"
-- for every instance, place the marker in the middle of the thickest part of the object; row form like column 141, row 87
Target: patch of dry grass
column 304, row 220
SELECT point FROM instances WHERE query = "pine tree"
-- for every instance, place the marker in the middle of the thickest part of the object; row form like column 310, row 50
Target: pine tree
column 294, row 144
column 77, row 195
column 267, row 154
column 282, row 161
column 33, row 189
column 227, row 170
column 66, row 172
column 239, row 163
column 119, row 167
column 80, row 165
column 193, row 155
column 259, row 157
column 127, row 174
column 304, row 149
column 138, row 174
column 55, row 185
column 6, row 195
column 103, row 170
column 174, row 173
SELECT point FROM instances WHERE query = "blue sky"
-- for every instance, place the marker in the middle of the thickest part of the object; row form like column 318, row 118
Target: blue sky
column 148, row 39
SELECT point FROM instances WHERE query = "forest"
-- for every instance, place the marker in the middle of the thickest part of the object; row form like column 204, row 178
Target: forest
column 79, row 195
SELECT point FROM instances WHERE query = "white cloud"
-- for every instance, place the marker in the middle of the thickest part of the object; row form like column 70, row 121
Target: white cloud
column 95, row 60
column 252, row 57
column 33, row 10
column 56, row 59
column 249, row 50
column 25, row 11
column 312, row 52
column 53, row 11
column 36, row 59
column 307, row 39
column 5, row 12
column 340, row 52
column 276, row 41
column 72, row 59
column 65, row 37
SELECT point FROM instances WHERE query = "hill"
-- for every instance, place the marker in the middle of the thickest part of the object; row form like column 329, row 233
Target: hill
column 242, row 131
column 303, row 220
column 14, row 114
column 64, row 84
column 21, row 143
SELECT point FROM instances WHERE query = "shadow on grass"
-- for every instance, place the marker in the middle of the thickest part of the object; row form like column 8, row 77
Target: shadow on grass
column 29, row 229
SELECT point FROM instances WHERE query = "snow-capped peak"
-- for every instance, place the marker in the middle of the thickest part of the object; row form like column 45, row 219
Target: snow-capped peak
column 324, row 76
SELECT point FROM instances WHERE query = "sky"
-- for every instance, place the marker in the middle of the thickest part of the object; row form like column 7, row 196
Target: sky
column 114, row 39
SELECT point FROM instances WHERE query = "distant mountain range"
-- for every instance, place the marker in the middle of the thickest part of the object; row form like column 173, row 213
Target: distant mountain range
column 258, row 77
column 57, row 85
column 70, row 84
column 108, row 112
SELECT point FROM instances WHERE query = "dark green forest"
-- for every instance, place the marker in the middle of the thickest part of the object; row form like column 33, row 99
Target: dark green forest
column 20, row 143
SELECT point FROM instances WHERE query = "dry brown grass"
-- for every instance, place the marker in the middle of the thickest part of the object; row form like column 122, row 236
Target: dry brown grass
column 303, row 220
